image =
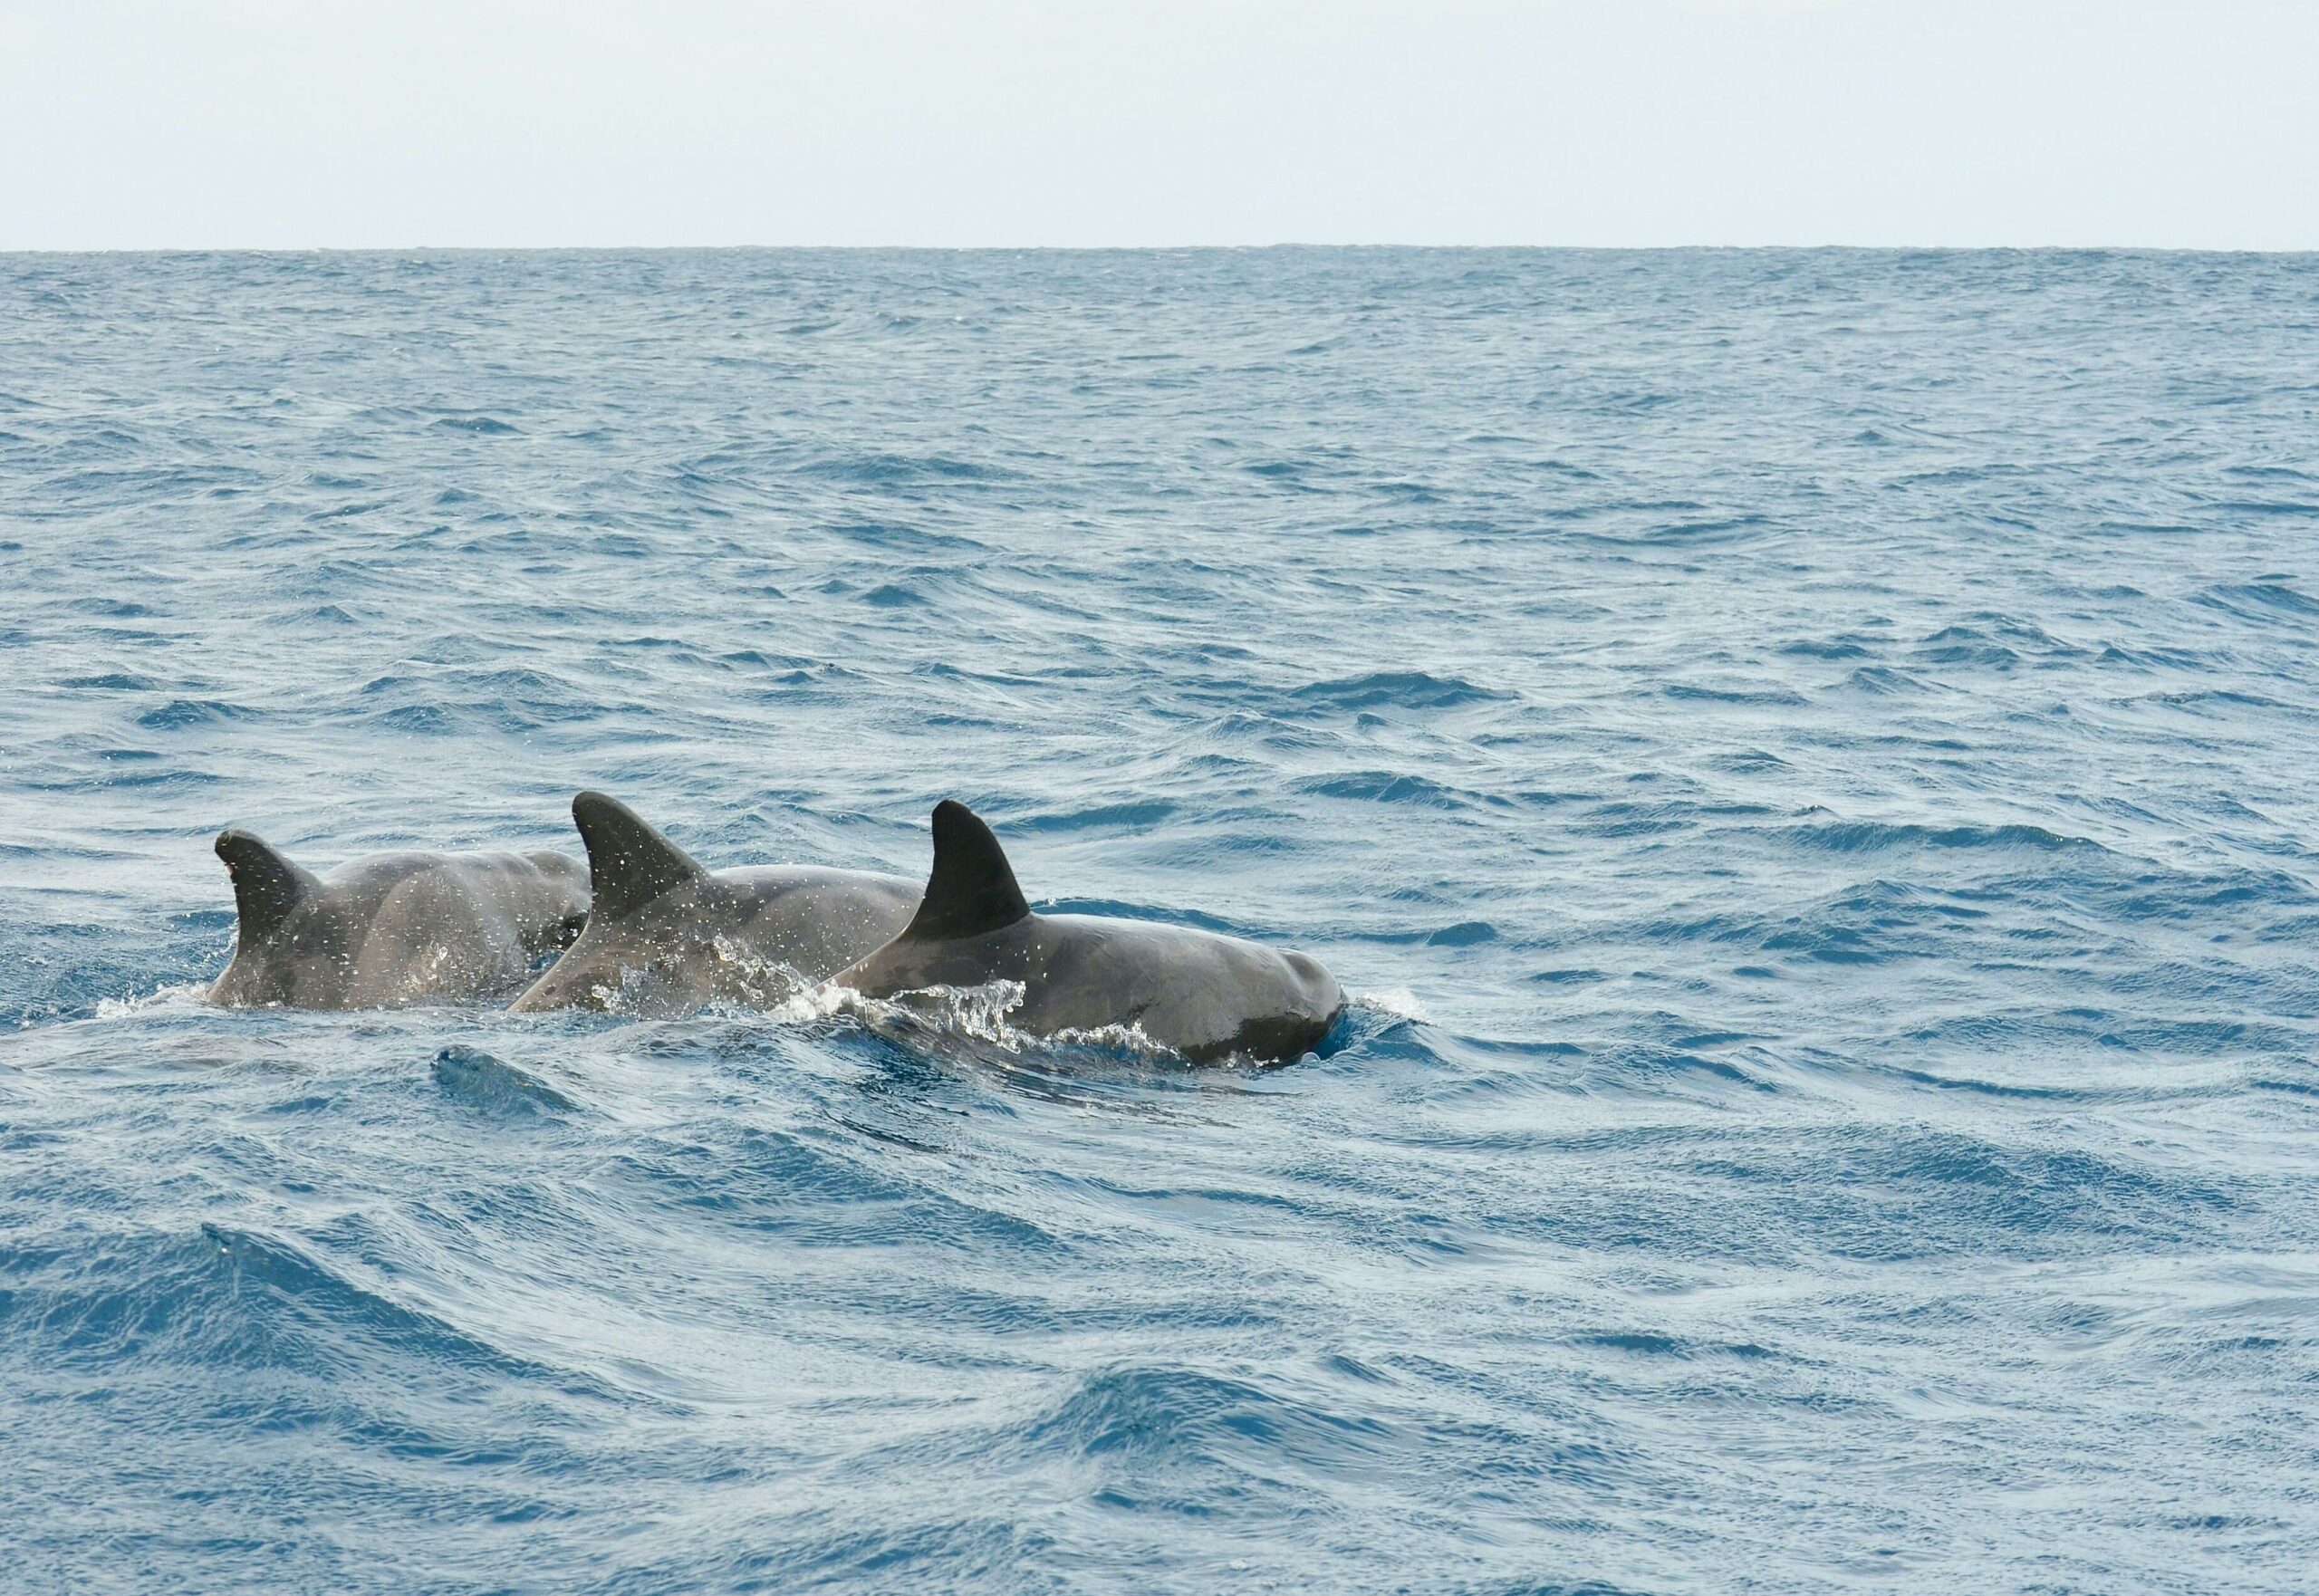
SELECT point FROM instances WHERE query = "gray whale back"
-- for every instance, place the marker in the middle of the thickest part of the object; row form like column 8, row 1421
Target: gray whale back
column 391, row 928
column 1207, row 997
column 666, row 935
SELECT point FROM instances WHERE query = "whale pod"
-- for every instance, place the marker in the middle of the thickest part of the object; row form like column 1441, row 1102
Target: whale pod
column 391, row 928
column 1207, row 997
column 666, row 935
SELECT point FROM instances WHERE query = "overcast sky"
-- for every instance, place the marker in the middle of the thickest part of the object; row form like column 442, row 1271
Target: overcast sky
column 1015, row 123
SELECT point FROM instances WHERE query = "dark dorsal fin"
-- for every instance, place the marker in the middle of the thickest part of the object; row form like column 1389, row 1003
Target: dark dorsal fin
column 972, row 890
column 629, row 863
column 267, row 887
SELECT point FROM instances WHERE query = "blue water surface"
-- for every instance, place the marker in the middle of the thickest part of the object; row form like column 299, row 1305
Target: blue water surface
column 1806, row 760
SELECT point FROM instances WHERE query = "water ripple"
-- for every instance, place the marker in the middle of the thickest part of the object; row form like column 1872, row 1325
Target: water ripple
column 1805, row 758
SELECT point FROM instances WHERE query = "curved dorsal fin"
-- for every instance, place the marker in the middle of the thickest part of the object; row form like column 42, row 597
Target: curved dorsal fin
column 629, row 863
column 972, row 888
column 267, row 887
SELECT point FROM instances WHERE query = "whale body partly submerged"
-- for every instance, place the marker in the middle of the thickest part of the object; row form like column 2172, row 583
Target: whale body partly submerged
column 392, row 928
column 666, row 935
column 1205, row 995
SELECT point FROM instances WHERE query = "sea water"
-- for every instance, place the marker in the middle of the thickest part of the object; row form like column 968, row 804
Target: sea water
column 1804, row 761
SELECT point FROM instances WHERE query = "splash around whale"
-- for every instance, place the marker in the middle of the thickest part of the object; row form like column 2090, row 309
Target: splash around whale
column 666, row 935
column 1206, row 997
column 654, row 933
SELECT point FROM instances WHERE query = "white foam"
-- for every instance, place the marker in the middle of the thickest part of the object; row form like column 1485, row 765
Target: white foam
column 1398, row 1001
column 976, row 1014
column 182, row 995
column 747, row 977
column 824, row 1002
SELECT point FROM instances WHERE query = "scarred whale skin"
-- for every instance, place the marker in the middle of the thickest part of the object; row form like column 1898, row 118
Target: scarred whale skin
column 1205, row 995
column 666, row 935
column 391, row 928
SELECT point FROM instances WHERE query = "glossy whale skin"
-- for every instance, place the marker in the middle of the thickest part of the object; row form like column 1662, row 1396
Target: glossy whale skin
column 1207, row 997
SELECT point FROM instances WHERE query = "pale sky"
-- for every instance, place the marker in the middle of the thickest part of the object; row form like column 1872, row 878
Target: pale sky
column 143, row 124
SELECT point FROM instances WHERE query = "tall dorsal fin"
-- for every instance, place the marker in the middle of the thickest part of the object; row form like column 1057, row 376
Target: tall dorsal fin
column 267, row 887
column 972, row 888
column 629, row 863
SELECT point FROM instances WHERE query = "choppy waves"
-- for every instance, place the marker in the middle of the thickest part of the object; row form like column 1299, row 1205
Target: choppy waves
column 1806, row 759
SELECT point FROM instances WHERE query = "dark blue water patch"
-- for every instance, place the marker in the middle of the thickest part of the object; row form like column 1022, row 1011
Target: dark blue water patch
column 1874, row 923
column 2222, row 701
column 2182, row 897
column 1879, row 837
column 2273, row 598
column 1397, row 690
column 2289, row 507
column 63, row 970
column 1128, row 816
column 1651, row 1344
column 2158, row 659
column 225, row 1297
column 473, row 1076
column 1966, row 645
column 871, row 469
column 424, row 720
column 1926, row 1193
column 1712, row 530
column 1385, row 787
column 819, row 1190
column 1827, row 649
column 112, row 681
column 901, row 537
column 1658, row 816
column 347, row 512
column 143, row 767
column 1774, row 697
column 1669, row 1070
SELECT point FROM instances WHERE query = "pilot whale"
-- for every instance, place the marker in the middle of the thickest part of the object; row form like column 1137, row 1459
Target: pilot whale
column 1205, row 995
column 392, row 928
column 666, row 935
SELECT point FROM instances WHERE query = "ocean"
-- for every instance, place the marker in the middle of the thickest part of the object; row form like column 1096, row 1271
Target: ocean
column 1802, row 759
